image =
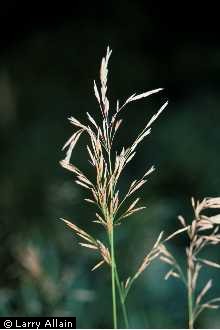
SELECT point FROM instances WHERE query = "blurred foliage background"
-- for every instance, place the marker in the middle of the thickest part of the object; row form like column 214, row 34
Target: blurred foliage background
column 49, row 57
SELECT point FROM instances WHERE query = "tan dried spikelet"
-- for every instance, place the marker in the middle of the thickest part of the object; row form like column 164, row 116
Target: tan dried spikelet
column 93, row 244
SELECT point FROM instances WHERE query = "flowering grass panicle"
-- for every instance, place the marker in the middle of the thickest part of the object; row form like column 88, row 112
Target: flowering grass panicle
column 103, row 187
column 202, row 232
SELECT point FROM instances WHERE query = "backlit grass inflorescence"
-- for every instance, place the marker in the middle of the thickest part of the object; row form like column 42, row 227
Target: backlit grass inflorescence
column 202, row 232
column 103, row 188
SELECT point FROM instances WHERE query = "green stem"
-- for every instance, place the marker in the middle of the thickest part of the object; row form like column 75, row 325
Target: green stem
column 113, row 266
column 114, row 307
column 123, row 306
column 190, row 301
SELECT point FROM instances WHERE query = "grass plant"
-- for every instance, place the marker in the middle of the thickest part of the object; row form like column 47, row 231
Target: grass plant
column 201, row 233
column 104, row 189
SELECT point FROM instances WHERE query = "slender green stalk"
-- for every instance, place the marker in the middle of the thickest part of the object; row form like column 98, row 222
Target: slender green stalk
column 122, row 300
column 190, row 301
column 114, row 304
column 114, row 272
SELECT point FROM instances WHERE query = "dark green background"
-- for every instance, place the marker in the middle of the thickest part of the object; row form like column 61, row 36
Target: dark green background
column 49, row 57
